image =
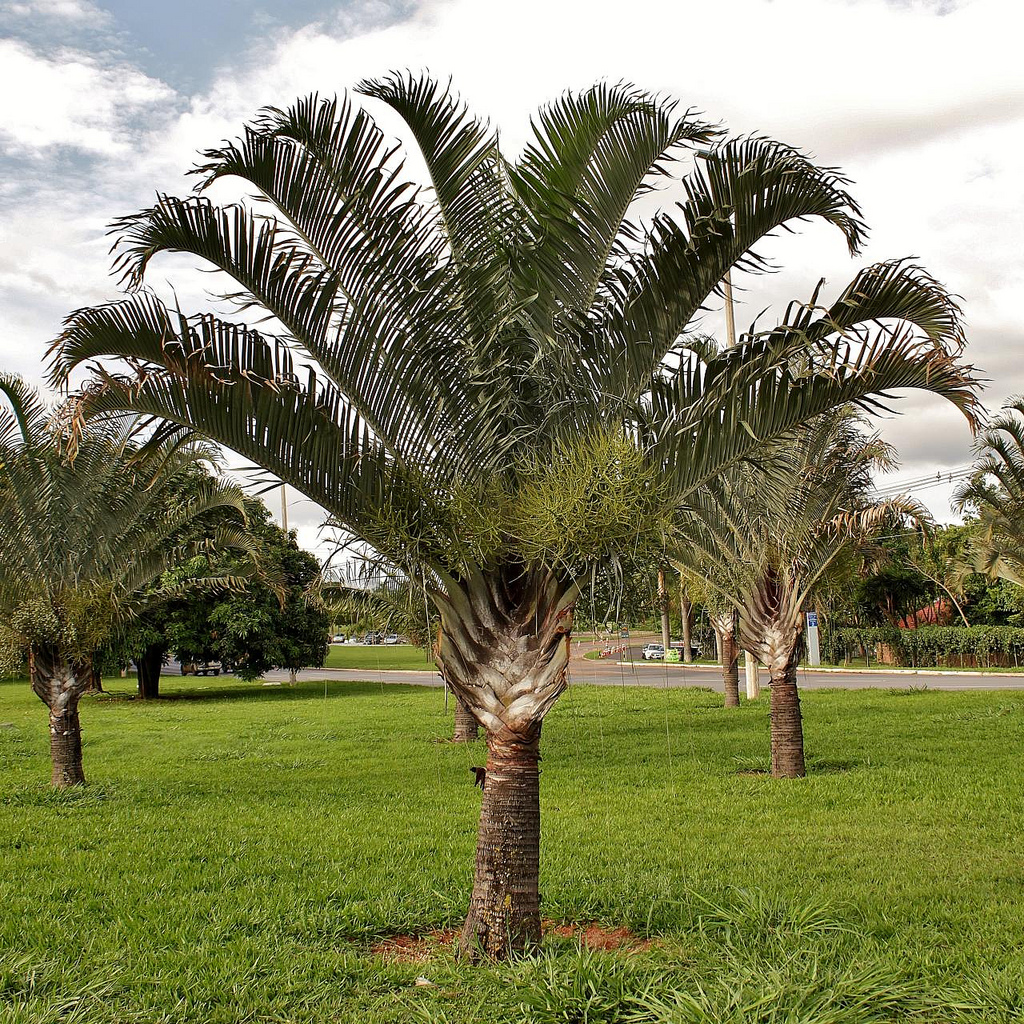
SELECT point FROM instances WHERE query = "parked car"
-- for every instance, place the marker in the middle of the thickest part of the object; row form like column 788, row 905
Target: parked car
column 391, row 638
column 653, row 652
column 338, row 639
column 372, row 638
column 353, row 640
column 201, row 668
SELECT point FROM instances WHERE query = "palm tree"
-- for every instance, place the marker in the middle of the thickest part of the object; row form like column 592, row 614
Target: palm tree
column 995, row 494
column 765, row 536
column 89, row 522
column 491, row 382
column 723, row 616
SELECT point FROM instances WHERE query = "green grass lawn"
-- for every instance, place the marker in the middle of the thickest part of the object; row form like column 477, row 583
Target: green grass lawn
column 241, row 850
column 379, row 656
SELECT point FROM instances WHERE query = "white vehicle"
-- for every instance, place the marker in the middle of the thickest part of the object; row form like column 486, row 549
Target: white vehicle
column 653, row 652
column 391, row 638
column 339, row 639
column 353, row 640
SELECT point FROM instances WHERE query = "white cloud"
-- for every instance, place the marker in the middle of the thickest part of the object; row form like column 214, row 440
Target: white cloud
column 925, row 112
column 69, row 99
column 80, row 11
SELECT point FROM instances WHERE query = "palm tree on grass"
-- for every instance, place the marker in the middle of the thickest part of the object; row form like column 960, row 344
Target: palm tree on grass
column 724, row 620
column 764, row 536
column 492, row 382
column 995, row 494
column 89, row 522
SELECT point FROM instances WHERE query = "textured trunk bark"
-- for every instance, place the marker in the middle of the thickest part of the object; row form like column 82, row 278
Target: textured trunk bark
column 686, row 614
column 467, row 728
column 148, row 669
column 772, row 626
column 787, row 729
column 504, row 650
column 729, row 653
column 66, row 746
column 57, row 685
column 730, row 670
column 504, row 911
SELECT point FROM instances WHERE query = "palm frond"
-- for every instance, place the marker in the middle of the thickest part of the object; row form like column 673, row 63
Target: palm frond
column 593, row 154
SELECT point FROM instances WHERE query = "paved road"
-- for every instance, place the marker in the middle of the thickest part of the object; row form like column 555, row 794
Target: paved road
column 606, row 673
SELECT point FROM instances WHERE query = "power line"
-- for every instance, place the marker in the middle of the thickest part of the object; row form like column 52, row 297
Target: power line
column 926, row 482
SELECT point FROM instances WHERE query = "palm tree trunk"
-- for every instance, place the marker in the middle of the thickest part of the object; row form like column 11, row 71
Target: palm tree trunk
column 787, row 728
column 148, row 669
column 730, row 670
column 55, row 682
column 467, row 728
column 504, row 651
column 725, row 628
column 504, row 911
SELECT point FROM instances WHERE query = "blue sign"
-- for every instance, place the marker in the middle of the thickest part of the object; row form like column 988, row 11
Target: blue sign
column 812, row 620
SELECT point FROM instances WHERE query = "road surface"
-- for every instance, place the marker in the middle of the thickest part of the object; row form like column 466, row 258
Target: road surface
column 653, row 673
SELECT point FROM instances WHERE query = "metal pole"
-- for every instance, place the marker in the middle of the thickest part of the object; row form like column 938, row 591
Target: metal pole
column 750, row 665
column 284, row 510
column 752, row 670
column 730, row 316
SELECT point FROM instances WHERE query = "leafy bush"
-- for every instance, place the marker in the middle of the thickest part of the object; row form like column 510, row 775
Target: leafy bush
column 927, row 645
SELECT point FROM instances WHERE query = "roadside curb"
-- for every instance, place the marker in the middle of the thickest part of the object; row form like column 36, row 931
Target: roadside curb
column 675, row 666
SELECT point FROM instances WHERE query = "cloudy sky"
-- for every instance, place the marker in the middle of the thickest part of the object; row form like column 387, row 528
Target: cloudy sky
column 921, row 102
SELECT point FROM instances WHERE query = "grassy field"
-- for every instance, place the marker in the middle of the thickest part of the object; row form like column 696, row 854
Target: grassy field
column 242, row 852
column 378, row 656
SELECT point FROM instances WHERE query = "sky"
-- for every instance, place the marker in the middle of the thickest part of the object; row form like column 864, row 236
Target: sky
column 920, row 102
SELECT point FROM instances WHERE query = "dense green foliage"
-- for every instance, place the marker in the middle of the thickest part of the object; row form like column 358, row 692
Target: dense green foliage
column 927, row 645
column 263, row 627
column 90, row 518
column 995, row 495
column 243, row 849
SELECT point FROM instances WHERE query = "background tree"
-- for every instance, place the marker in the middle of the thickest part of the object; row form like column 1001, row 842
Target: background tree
column 722, row 615
column 277, row 621
column 503, row 387
column 82, row 541
column 995, row 494
column 770, row 535
column 145, row 641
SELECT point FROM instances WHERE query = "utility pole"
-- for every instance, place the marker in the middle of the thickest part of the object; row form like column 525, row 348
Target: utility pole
column 750, row 666
column 284, row 510
column 730, row 316
column 685, row 611
column 666, row 638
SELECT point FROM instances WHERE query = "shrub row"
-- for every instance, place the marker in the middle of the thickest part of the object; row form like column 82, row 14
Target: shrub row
column 927, row 645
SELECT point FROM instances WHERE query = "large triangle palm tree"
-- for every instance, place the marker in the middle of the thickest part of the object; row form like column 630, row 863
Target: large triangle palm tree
column 491, row 380
column 89, row 523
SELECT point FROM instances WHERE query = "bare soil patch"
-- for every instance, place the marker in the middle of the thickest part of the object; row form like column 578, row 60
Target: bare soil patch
column 415, row 949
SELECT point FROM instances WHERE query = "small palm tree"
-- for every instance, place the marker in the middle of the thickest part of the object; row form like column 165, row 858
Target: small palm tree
column 724, row 621
column 88, row 524
column 995, row 494
column 494, row 382
column 764, row 536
